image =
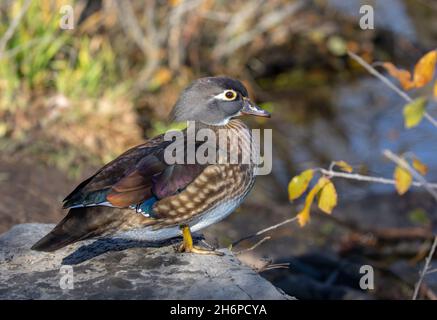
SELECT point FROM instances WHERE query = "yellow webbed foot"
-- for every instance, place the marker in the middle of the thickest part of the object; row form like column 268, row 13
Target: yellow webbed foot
column 187, row 244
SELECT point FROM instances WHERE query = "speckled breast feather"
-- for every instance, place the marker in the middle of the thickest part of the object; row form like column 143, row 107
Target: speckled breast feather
column 216, row 184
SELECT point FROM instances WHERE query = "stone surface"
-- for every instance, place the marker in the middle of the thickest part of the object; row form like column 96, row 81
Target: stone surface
column 120, row 269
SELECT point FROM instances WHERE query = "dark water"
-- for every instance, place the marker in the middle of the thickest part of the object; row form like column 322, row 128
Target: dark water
column 352, row 120
column 359, row 118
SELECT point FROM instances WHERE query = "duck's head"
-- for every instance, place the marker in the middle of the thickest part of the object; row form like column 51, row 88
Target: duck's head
column 214, row 101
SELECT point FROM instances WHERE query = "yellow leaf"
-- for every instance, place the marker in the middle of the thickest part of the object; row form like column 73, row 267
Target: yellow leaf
column 304, row 215
column 413, row 112
column 424, row 69
column 402, row 75
column 328, row 198
column 299, row 184
column 174, row 3
column 344, row 166
column 403, row 180
column 162, row 76
column 420, row 166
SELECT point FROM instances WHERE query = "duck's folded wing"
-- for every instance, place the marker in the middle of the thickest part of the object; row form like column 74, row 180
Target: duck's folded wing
column 139, row 175
column 151, row 179
column 94, row 190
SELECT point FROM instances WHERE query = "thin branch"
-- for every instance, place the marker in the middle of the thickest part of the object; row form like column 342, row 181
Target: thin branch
column 405, row 165
column 285, row 265
column 175, row 25
column 359, row 177
column 425, row 269
column 387, row 82
column 264, row 230
column 267, row 22
column 254, row 246
column 431, row 271
column 148, row 42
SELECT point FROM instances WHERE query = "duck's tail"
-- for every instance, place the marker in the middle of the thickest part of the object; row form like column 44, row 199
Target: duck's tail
column 80, row 224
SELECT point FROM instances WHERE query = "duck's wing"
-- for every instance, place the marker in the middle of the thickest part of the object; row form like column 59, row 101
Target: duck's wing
column 94, row 190
column 136, row 179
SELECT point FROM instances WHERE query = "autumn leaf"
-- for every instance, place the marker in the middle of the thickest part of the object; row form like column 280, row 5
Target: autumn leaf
column 344, row 166
column 162, row 76
column 420, row 166
column 299, row 184
column 328, row 198
column 403, row 76
column 424, row 69
column 423, row 72
column 174, row 3
column 304, row 215
column 414, row 111
column 403, row 180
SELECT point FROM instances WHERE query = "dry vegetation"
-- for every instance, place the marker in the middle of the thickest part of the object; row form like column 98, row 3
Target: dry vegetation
column 84, row 95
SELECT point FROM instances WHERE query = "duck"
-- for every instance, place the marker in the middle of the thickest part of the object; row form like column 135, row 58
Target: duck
column 143, row 196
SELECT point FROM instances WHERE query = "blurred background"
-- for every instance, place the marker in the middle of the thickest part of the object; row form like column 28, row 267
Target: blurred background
column 71, row 100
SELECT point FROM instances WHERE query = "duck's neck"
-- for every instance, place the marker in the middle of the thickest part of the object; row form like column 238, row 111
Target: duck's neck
column 235, row 124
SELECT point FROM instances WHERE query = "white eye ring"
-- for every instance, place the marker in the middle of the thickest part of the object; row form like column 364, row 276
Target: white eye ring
column 227, row 95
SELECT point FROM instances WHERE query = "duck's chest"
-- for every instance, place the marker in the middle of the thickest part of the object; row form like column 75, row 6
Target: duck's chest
column 229, row 178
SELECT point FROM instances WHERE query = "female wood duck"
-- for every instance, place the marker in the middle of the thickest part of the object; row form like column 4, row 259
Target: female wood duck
column 139, row 196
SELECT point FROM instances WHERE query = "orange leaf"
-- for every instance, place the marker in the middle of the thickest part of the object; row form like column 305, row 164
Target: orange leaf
column 174, row 3
column 162, row 76
column 402, row 75
column 424, row 69
column 420, row 166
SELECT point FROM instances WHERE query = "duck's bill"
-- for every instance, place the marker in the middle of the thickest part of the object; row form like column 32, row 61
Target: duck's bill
column 251, row 109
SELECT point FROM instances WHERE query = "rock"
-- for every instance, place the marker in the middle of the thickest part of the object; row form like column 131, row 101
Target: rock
column 121, row 269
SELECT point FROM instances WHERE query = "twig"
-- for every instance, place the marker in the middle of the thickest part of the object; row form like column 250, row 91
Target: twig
column 425, row 269
column 359, row 177
column 13, row 26
column 405, row 165
column 285, row 265
column 148, row 42
column 264, row 230
column 267, row 22
column 387, row 82
column 174, row 37
column 431, row 271
column 254, row 246
column 175, row 25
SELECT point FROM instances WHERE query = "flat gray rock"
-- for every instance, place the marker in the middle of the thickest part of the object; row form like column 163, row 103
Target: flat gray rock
column 120, row 269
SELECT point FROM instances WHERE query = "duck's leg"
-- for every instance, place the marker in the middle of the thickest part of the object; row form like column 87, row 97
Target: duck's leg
column 187, row 244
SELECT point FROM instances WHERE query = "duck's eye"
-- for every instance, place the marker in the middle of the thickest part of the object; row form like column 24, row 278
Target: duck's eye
column 230, row 95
